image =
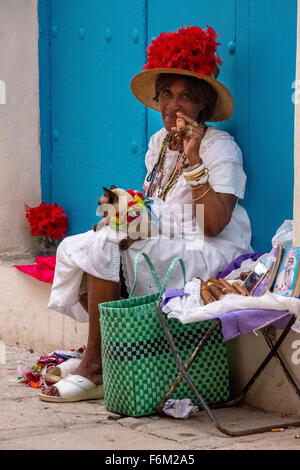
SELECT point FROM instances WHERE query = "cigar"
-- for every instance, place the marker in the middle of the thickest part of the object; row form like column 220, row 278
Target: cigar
column 215, row 282
column 205, row 293
column 180, row 123
column 227, row 288
column 182, row 129
column 214, row 290
column 241, row 290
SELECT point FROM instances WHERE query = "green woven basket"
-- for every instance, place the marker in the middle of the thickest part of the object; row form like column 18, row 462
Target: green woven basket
column 138, row 365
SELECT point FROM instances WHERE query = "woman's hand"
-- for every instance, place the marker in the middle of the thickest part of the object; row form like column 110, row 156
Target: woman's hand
column 218, row 207
column 192, row 139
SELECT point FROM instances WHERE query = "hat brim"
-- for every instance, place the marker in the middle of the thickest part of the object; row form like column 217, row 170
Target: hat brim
column 143, row 87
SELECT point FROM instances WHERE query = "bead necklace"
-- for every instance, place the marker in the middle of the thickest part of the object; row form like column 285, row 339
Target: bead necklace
column 156, row 175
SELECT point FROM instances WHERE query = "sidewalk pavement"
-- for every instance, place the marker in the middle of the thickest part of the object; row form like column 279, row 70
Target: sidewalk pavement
column 30, row 424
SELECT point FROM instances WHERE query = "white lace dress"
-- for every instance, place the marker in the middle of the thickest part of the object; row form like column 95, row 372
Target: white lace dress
column 97, row 253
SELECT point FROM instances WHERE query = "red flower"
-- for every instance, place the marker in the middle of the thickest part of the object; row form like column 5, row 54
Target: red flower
column 47, row 220
column 131, row 192
column 134, row 192
column 189, row 48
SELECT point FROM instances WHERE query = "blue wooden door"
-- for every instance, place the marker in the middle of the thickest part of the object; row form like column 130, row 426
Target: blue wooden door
column 266, row 34
column 99, row 131
column 258, row 49
column 219, row 15
column 98, row 127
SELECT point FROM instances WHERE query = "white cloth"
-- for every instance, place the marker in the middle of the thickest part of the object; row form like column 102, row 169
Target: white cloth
column 96, row 253
column 190, row 309
column 180, row 409
column 100, row 256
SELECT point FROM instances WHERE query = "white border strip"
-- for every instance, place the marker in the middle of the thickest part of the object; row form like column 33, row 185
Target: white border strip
column 2, row 92
column 296, row 240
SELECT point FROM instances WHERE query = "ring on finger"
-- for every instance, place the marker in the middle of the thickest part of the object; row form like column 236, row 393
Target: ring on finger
column 189, row 130
column 195, row 124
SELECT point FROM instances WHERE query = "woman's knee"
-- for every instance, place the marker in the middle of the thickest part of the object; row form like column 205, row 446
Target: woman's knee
column 102, row 289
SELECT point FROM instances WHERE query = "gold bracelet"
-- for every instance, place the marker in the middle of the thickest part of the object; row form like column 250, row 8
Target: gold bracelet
column 198, row 186
column 193, row 167
column 199, row 183
column 202, row 195
column 196, row 177
column 194, row 170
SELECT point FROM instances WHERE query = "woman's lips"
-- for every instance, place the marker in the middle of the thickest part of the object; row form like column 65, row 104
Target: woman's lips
column 171, row 117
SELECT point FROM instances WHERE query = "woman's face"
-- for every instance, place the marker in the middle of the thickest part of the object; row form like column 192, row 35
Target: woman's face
column 177, row 97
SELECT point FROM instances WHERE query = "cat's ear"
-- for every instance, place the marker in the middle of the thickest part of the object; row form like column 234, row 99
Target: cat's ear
column 111, row 196
column 113, row 187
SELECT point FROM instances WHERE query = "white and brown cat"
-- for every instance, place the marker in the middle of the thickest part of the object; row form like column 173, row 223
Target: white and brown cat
column 114, row 201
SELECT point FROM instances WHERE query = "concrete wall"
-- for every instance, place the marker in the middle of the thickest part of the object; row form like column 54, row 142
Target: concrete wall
column 297, row 142
column 24, row 317
column 271, row 391
column 19, row 122
column 25, row 320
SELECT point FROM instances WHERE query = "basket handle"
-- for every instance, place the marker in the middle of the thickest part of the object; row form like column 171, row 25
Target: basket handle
column 170, row 272
column 152, row 269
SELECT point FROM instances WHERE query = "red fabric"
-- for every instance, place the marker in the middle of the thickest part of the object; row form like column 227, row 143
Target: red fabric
column 189, row 48
column 43, row 270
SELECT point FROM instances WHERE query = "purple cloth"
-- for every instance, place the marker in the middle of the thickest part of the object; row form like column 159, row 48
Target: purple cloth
column 236, row 263
column 241, row 322
column 170, row 293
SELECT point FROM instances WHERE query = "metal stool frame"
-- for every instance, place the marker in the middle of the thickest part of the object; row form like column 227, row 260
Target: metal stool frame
column 183, row 368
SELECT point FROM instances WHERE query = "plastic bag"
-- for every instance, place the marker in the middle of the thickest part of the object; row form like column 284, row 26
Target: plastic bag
column 284, row 234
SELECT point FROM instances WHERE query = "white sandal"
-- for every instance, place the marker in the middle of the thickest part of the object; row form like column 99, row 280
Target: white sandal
column 62, row 370
column 75, row 388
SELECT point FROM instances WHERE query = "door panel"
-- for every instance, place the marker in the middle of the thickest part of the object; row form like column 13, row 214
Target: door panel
column 272, row 69
column 163, row 16
column 98, row 127
column 259, row 57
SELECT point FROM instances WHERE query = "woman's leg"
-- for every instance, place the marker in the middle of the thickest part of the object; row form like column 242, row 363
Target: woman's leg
column 99, row 290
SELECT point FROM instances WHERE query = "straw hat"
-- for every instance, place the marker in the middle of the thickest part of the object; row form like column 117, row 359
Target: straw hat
column 191, row 52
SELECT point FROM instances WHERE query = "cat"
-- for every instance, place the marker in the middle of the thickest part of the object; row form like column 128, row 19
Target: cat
column 114, row 205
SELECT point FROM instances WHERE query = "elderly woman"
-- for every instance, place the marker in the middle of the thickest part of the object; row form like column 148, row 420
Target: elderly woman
column 196, row 167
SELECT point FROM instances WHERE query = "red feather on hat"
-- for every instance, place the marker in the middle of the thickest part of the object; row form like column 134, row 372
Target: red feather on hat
column 189, row 48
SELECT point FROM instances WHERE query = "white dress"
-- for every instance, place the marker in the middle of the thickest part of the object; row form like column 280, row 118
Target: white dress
column 97, row 253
